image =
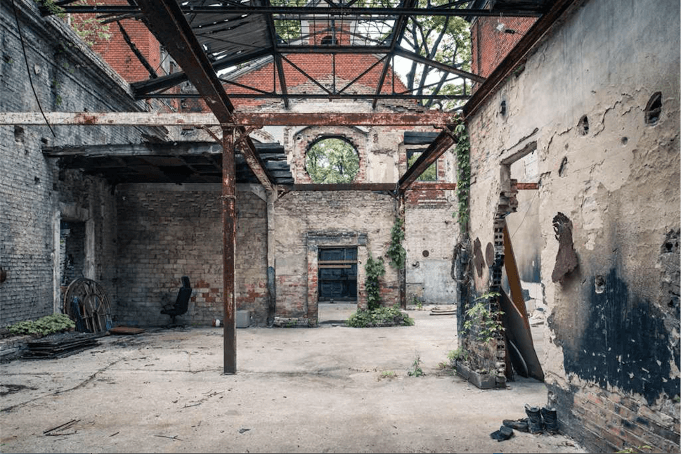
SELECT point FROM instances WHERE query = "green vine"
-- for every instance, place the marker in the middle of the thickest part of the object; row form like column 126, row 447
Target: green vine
column 487, row 324
column 396, row 253
column 374, row 270
column 463, row 184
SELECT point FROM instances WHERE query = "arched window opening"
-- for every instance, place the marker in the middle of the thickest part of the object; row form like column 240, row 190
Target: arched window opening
column 332, row 160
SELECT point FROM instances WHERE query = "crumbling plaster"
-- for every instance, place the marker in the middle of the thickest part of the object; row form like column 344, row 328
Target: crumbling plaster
column 618, row 184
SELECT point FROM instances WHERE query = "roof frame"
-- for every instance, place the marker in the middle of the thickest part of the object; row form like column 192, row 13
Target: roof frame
column 210, row 21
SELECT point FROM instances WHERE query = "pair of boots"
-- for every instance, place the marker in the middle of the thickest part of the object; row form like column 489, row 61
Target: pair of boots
column 537, row 421
column 541, row 419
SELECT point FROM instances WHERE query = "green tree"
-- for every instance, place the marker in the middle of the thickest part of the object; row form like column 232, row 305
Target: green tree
column 430, row 174
column 332, row 161
column 444, row 39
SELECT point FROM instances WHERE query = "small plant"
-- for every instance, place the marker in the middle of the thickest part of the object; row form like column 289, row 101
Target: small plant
column 417, row 302
column 396, row 252
column 460, row 354
column 388, row 374
column 382, row 316
column 416, row 370
column 374, row 270
column 49, row 324
column 487, row 324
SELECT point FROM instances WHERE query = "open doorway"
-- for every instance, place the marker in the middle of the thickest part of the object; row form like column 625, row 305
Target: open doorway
column 337, row 283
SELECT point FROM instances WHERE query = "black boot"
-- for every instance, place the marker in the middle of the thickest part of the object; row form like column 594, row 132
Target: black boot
column 535, row 422
column 521, row 425
column 550, row 420
column 503, row 434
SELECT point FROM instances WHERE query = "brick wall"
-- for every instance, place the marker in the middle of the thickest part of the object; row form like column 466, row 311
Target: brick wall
column 490, row 46
column 337, row 215
column 115, row 51
column 168, row 231
column 67, row 76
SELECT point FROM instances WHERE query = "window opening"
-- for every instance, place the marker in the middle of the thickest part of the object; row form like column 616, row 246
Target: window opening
column 328, row 40
column 332, row 160
column 430, row 174
column 583, row 125
column 653, row 109
column 337, row 274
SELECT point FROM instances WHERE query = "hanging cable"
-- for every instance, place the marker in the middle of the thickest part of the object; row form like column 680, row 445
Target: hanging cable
column 28, row 70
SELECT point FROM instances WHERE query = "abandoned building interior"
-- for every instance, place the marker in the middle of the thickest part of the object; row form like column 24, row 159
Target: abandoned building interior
column 152, row 145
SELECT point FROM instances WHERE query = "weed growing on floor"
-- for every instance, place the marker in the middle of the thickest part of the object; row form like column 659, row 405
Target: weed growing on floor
column 388, row 374
column 382, row 316
column 416, row 370
column 49, row 324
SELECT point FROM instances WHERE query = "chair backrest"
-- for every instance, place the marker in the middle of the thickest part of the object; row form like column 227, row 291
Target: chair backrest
column 183, row 295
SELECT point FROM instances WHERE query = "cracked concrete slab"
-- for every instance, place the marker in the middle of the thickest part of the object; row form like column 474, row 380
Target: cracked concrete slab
column 296, row 390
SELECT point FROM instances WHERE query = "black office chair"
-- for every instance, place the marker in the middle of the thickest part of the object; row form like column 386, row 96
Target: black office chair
column 181, row 303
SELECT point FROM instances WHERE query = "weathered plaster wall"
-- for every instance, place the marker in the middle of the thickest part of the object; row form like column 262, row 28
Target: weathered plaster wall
column 612, row 358
column 34, row 195
column 169, row 231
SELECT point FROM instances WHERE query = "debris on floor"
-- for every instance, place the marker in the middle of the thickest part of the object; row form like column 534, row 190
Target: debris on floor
column 503, row 434
column 60, row 345
column 126, row 330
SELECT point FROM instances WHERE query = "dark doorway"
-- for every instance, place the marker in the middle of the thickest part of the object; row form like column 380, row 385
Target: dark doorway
column 338, row 274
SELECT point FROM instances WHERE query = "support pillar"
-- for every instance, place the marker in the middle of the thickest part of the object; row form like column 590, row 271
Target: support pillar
column 402, row 273
column 229, row 246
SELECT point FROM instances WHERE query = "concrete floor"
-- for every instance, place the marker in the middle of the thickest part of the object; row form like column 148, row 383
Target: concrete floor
column 297, row 390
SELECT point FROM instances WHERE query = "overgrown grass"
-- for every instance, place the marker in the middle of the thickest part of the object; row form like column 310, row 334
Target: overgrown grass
column 49, row 324
column 382, row 316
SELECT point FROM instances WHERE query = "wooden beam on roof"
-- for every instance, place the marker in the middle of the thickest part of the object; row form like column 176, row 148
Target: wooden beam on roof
column 166, row 20
column 432, row 118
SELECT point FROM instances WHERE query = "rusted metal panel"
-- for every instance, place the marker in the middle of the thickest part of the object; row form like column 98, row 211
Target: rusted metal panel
column 441, row 144
column 240, row 119
column 229, row 247
column 527, row 186
column 514, row 278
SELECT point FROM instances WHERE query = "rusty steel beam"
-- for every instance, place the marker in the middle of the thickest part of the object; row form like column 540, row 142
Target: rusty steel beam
column 436, row 64
column 239, row 119
column 229, row 247
column 419, row 185
column 441, row 144
column 387, row 187
column 166, row 20
column 340, row 11
column 527, row 186
column 516, row 55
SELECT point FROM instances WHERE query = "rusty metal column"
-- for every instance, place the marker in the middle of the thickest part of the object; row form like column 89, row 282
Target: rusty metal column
column 229, row 246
